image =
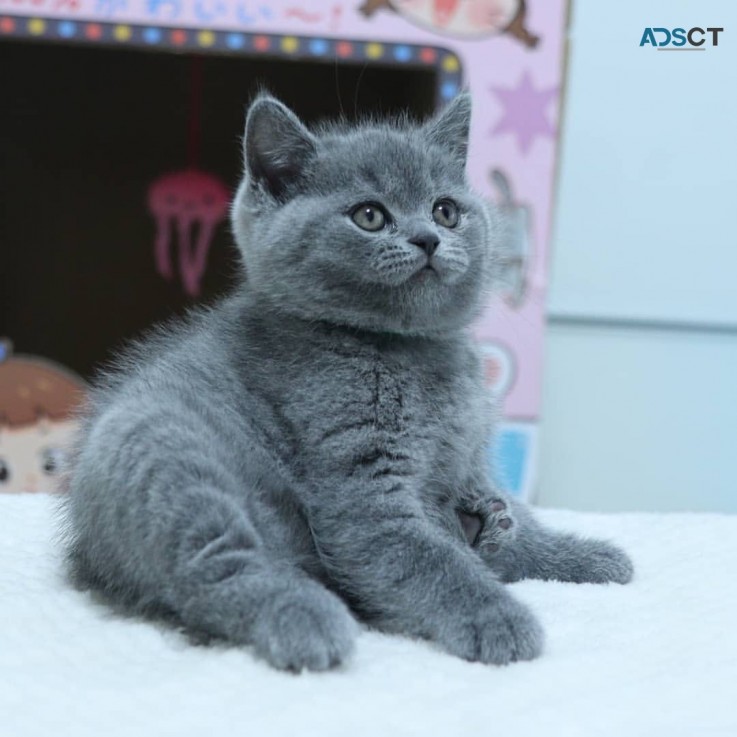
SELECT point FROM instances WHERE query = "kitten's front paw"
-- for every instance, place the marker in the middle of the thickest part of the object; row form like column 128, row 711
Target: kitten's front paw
column 502, row 632
column 311, row 628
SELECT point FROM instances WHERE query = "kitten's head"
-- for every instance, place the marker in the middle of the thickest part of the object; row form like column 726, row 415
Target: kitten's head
column 372, row 226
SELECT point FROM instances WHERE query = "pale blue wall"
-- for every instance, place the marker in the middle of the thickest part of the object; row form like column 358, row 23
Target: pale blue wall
column 640, row 404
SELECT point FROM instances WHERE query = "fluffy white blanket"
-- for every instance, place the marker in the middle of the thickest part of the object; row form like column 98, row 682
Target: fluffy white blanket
column 657, row 657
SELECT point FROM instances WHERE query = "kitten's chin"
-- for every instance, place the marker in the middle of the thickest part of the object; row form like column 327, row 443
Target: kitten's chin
column 434, row 273
column 425, row 275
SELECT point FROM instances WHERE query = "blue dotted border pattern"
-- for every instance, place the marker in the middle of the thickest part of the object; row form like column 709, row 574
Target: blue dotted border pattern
column 444, row 62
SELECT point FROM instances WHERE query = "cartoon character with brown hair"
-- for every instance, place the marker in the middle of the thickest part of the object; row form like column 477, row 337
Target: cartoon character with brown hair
column 38, row 400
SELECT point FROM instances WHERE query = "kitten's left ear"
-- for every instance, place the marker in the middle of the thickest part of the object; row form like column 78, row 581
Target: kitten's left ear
column 449, row 128
column 276, row 145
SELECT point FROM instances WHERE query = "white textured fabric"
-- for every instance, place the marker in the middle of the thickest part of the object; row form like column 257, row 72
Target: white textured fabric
column 657, row 657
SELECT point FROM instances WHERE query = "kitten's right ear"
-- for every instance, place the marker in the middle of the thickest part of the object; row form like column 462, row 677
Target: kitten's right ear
column 449, row 128
column 276, row 146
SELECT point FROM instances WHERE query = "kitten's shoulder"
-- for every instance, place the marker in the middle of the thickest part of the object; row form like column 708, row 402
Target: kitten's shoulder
column 197, row 341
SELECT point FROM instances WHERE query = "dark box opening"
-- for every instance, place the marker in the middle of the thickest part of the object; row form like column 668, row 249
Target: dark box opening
column 85, row 130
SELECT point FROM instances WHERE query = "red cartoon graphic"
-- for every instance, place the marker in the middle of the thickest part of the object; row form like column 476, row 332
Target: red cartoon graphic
column 464, row 18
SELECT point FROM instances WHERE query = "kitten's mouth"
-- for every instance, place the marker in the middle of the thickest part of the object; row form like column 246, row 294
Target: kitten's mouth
column 424, row 274
column 426, row 270
column 419, row 275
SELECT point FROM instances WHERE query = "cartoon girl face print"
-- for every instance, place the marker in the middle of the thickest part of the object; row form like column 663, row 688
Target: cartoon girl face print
column 38, row 400
column 32, row 456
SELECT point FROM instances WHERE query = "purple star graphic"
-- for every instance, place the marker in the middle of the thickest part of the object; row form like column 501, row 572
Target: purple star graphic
column 524, row 112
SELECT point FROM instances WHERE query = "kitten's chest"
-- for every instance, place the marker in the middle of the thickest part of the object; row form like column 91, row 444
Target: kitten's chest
column 424, row 401
column 451, row 417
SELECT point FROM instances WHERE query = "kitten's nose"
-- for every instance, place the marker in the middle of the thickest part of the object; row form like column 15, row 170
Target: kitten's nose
column 427, row 241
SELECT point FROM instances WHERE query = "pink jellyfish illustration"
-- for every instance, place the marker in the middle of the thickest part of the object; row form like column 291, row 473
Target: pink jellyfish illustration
column 188, row 205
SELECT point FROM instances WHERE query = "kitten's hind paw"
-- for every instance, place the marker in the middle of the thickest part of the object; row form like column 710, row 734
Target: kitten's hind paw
column 309, row 628
column 606, row 562
column 592, row 561
column 499, row 527
column 489, row 529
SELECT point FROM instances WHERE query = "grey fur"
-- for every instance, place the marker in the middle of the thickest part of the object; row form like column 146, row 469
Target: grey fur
column 296, row 457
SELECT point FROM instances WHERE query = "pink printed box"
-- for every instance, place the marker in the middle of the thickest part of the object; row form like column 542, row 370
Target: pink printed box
column 119, row 140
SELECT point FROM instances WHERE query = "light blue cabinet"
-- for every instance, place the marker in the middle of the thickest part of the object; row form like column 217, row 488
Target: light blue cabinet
column 646, row 222
column 640, row 400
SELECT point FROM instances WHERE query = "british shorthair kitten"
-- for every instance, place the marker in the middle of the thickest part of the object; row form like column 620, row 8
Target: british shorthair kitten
column 311, row 451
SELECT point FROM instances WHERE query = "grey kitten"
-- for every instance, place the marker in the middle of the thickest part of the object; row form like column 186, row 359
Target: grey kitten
column 313, row 449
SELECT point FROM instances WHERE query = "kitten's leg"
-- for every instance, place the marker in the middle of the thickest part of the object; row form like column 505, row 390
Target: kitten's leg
column 404, row 576
column 157, row 523
column 403, row 573
column 535, row 551
column 224, row 583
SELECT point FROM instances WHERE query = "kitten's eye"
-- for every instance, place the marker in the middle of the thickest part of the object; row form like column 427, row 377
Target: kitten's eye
column 4, row 471
column 369, row 217
column 51, row 460
column 445, row 213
